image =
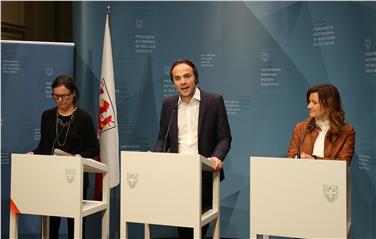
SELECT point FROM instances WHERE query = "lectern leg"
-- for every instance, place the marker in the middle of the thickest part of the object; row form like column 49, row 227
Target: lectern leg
column 147, row 231
column 45, row 227
column 105, row 224
column 13, row 225
column 123, row 229
column 216, row 205
column 197, row 232
column 78, row 227
column 216, row 231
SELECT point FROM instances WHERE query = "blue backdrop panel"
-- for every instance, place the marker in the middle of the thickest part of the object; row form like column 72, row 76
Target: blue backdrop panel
column 28, row 69
column 262, row 57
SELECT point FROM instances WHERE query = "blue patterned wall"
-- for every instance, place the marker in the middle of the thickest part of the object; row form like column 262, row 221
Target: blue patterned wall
column 262, row 57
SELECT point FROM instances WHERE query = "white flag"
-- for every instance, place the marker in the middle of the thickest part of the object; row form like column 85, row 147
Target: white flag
column 107, row 114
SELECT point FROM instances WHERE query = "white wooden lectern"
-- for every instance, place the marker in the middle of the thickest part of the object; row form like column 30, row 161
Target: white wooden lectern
column 165, row 189
column 53, row 186
column 299, row 198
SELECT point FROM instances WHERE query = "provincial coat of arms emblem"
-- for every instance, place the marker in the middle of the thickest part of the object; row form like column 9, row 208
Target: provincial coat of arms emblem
column 139, row 23
column 368, row 43
column 132, row 179
column 330, row 192
column 70, row 174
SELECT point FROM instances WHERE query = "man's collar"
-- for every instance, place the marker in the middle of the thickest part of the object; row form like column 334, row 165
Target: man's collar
column 196, row 96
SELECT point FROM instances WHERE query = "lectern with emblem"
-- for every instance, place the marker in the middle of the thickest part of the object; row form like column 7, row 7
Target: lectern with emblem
column 53, row 186
column 299, row 198
column 165, row 189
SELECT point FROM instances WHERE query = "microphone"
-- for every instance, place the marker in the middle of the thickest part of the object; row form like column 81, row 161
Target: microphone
column 309, row 128
column 168, row 128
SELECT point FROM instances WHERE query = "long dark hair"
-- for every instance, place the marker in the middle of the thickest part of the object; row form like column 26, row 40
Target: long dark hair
column 68, row 82
column 330, row 99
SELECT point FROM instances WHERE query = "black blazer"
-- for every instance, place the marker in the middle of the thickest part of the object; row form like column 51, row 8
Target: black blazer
column 214, row 135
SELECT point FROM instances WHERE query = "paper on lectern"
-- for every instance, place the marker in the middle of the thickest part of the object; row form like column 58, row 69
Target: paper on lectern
column 60, row 152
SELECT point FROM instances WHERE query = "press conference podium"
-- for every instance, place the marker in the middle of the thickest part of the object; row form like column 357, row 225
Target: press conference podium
column 165, row 189
column 299, row 198
column 53, row 186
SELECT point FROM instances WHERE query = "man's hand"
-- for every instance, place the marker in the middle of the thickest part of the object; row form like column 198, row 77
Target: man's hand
column 218, row 164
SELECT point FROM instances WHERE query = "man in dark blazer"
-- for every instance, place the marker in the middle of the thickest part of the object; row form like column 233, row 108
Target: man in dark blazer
column 194, row 121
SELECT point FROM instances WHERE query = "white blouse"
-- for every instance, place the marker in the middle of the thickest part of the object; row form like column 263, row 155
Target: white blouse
column 318, row 147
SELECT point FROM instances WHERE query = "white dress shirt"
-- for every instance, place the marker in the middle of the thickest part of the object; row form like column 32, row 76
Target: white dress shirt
column 188, row 124
column 318, row 147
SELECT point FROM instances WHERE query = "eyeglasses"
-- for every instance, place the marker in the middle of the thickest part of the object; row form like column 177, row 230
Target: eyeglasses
column 62, row 97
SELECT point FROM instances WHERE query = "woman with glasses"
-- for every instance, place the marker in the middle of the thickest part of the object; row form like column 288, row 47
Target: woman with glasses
column 70, row 129
column 324, row 134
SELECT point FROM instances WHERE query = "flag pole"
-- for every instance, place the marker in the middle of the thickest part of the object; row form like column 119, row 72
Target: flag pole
column 108, row 126
column 114, row 193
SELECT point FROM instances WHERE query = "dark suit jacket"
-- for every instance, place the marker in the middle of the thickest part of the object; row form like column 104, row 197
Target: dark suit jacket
column 214, row 135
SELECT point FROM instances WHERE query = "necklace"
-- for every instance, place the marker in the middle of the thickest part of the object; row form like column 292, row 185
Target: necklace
column 63, row 125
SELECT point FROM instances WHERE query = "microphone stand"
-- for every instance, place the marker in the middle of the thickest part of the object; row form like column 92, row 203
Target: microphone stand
column 309, row 128
column 168, row 129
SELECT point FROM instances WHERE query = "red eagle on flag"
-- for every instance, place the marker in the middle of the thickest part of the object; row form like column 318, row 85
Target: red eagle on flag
column 105, row 112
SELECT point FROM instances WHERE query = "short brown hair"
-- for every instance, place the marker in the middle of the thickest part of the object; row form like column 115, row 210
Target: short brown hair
column 187, row 62
column 68, row 82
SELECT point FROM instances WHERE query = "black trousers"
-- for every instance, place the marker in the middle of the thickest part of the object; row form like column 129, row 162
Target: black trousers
column 55, row 226
column 207, row 202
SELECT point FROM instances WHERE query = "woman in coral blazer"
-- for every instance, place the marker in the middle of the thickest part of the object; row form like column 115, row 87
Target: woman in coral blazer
column 324, row 134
